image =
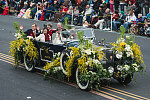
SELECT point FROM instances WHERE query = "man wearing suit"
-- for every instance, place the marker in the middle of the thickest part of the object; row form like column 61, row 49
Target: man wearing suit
column 34, row 31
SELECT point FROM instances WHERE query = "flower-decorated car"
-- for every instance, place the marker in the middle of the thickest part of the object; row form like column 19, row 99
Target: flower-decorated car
column 76, row 56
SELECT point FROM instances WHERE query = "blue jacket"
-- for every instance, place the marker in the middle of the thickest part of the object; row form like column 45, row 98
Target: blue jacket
column 148, row 15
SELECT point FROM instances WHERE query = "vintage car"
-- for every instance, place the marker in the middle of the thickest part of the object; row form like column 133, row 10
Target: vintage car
column 47, row 51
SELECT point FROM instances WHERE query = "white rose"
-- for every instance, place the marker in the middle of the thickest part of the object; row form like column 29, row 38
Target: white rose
column 119, row 55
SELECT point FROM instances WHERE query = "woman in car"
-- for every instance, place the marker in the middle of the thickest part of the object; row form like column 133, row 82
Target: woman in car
column 44, row 37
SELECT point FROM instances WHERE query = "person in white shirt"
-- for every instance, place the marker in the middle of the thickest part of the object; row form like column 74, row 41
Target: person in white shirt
column 44, row 37
column 129, row 20
column 87, row 13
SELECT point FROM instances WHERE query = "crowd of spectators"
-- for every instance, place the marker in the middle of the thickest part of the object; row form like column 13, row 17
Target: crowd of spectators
column 89, row 13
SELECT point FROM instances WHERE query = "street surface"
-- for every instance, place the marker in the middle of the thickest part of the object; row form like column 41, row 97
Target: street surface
column 18, row 84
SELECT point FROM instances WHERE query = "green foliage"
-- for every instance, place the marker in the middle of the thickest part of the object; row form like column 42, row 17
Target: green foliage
column 16, row 26
column 80, row 37
column 122, row 29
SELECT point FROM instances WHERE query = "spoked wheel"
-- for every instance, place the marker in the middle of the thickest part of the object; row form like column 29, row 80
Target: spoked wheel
column 63, row 59
column 81, row 82
column 29, row 64
column 125, row 80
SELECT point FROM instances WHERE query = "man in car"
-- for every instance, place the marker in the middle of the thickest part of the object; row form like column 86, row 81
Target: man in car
column 33, row 32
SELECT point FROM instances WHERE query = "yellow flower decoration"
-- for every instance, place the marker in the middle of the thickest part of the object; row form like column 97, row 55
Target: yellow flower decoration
column 122, row 44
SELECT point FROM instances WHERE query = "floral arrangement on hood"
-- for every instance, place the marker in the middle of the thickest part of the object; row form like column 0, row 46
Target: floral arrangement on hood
column 128, row 56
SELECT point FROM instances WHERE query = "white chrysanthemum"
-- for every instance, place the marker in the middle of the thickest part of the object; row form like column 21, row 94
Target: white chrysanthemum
column 96, row 61
column 135, row 65
column 119, row 55
column 119, row 68
column 128, row 48
column 120, row 40
column 127, row 36
column 87, row 63
column 88, row 51
column 17, row 35
column 129, row 53
column 126, row 67
column 136, row 69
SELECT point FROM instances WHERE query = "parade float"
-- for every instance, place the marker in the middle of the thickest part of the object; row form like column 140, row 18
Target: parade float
column 77, row 57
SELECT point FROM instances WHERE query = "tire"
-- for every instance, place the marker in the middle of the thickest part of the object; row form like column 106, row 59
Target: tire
column 83, row 85
column 29, row 65
column 63, row 58
column 126, row 80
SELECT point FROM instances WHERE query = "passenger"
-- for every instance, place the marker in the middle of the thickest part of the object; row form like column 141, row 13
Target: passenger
column 33, row 32
column 51, row 31
column 59, row 34
column 44, row 37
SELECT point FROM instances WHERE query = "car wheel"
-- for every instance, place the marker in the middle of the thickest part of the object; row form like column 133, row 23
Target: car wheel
column 83, row 85
column 125, row 80
column 63, row 59
column 29, row 64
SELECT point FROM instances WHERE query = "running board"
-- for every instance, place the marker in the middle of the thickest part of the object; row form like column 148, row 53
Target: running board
column 56, row 68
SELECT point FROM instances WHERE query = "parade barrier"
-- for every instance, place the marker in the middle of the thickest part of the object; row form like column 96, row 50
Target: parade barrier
column 72, row 18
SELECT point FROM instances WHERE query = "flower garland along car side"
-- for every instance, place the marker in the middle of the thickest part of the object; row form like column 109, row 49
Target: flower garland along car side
column 128, row 58
column 22, row 47
column 87, row 62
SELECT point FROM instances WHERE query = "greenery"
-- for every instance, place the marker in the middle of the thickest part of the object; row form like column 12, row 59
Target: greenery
column 128, row 56
column 22, row 45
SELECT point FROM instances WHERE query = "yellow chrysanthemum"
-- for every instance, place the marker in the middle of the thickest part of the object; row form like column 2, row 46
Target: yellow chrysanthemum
column 122, row 44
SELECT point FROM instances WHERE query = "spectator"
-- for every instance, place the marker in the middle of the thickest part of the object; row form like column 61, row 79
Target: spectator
column 129, row 19
column 96, row 5
column 148, row 15
column 137, row 9
column 69, row 14
column 111, row 5
column 64, row 9
column 87, row 13
column 122, row 4
column 76, row 12
column 83, row 5
column 116, row 4
column 33, row 11
column 55, row 5
column 100, row 18
column 107, row 18
column 116, row 24
column 48, row 11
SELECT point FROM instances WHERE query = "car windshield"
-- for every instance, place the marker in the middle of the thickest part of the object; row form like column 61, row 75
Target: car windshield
column 88, row 33
column 71, row 35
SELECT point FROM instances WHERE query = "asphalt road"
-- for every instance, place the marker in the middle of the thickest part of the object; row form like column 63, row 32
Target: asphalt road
column 18, row 84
